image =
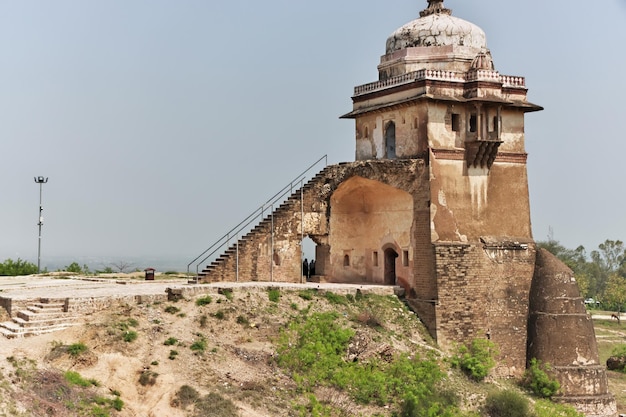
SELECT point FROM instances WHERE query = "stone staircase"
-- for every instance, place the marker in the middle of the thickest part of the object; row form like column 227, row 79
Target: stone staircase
column 224, row 266
column 40, row 317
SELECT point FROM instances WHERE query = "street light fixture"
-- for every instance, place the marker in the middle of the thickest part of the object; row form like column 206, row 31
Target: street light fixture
column 41, row 181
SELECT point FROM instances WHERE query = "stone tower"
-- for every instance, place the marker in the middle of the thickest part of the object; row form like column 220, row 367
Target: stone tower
column 439, row 98
column 437, row 203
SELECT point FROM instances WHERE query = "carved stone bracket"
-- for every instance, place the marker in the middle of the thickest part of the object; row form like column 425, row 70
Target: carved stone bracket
column 481, row 153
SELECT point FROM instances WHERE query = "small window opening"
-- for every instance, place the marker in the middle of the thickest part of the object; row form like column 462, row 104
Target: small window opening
column 456, row 122
column 405, row 258
column 473, row 123
column 495, row 123
column 375, row 258
column 346, row 260
column 415, row 123
column 367, row 133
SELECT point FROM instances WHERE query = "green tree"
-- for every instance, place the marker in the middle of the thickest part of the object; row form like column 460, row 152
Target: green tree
column 15, row 268
column 615, row 293
column 606, row 261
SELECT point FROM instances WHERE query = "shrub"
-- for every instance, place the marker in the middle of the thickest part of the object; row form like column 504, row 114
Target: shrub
column 173, row 354
column 170, row 341
column 199, row 345
column 214, row 405
column 313, row 349
column 273, row 294
column 117, row 404
column 507, row 404
column 185, row 397
column 617, row 360
column 130, row 336
column 220, row 315
column 536, row 378
column 127, row 324
column 97, row 411
column 477, row 359
column 74, row 378
column 15, row 268
column 202, row 301
column 172, row 309
column 315, row 408
column 76, row 349
column 242, row 320
column 227, row 292
column 306, row 294
column 335, row 298
column 74, row 267
column 148, row 378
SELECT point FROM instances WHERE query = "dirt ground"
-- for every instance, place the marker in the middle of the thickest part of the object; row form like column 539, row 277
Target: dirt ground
column 236, row 361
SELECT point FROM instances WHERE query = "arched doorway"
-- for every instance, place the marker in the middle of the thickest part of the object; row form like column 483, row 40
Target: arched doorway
column 308, row 257
column 390, row 140
column 390, row 266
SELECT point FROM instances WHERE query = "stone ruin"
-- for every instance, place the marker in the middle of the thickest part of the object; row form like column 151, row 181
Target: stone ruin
column 437, row 203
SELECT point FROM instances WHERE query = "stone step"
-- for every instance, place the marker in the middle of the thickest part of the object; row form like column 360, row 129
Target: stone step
column 44, row 322
column 47, row 306
column 30, row 315
column 12, row 330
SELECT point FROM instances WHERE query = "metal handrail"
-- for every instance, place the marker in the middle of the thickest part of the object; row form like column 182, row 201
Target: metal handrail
column 243, row 225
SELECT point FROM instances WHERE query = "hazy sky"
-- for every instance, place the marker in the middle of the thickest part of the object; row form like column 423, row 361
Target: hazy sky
column 162, row 123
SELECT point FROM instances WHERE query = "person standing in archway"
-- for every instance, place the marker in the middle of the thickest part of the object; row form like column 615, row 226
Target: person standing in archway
column 305, row 268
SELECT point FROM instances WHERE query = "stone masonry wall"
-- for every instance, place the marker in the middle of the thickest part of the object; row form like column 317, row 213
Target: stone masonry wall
column 272, row 251
column 483, row 293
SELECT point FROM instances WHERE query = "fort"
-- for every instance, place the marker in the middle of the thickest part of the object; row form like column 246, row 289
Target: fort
column 435, row 207
column 436, row 202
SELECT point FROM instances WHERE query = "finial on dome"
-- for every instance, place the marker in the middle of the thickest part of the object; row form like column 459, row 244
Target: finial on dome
column 435, row 7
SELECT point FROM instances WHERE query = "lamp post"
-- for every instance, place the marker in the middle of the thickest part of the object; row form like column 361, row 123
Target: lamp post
column 41, row 181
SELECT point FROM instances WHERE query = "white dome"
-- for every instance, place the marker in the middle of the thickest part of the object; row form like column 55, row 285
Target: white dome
column 437, row 29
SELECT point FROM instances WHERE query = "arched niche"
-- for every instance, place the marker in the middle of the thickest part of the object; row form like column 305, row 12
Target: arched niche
column 364, row 215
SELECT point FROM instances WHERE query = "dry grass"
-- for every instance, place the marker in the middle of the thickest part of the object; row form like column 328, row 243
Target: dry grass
column 609, row 335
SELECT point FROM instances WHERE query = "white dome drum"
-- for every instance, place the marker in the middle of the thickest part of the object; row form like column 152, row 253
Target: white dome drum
column 437, row 29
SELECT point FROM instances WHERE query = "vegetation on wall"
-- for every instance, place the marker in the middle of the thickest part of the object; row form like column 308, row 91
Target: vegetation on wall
column 538, row 380
column 476, row 359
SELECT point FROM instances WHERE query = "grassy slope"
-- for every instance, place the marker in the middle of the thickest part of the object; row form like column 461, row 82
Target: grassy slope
column 224, row 352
